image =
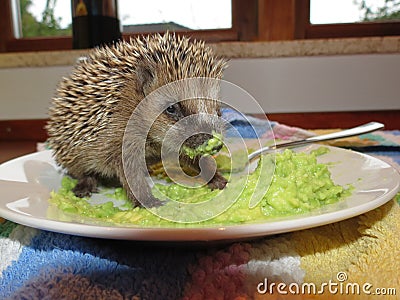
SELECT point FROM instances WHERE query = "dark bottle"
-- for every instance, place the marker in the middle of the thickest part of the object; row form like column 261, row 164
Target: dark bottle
column 94, row 22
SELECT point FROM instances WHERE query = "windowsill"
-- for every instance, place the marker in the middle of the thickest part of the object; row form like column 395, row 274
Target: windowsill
column 314, row 47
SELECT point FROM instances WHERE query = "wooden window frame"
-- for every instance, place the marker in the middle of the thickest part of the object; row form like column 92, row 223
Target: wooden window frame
column 252, row 20
column 290, row 20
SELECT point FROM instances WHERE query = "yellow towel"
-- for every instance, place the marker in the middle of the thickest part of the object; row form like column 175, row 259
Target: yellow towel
column 360, row 255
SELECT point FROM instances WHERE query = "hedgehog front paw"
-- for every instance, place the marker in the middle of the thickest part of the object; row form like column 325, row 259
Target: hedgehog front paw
column 85, row 187
column 148, row 201
column 154, row 202
column 217, row 182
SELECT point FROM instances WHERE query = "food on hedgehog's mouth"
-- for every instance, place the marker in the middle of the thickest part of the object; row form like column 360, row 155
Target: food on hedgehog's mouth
column 210, row 147
column 299, row 185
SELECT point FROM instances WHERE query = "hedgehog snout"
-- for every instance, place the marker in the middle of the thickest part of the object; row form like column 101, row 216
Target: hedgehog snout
column 197, row 139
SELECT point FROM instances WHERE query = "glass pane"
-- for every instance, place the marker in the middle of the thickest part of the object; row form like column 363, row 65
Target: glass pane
column 174, row 15
column 45, row 18
column 351, row 11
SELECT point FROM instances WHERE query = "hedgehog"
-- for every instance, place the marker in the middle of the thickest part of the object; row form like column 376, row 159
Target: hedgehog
column 92, row 107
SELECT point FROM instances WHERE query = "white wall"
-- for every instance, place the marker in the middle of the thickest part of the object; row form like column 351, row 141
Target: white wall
column 26, row 92
column 296, row 84
column 332, row 83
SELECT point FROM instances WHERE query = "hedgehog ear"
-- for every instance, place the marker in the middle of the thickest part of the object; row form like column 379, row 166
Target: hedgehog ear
column 145, row 76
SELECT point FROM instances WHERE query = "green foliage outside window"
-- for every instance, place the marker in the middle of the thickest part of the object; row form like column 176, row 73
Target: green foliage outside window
column 390, row 10
column 49, row 25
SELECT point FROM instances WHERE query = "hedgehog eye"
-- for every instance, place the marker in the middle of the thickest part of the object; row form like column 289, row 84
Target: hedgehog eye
column 174, row 111
column 171, row 110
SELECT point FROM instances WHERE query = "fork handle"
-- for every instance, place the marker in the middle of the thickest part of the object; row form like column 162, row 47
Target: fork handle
column 365, row 128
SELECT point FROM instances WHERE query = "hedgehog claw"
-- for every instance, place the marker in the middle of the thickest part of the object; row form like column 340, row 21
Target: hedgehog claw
column 85, row 187
column 150, row 202
column 154, row 202
column 217, row 182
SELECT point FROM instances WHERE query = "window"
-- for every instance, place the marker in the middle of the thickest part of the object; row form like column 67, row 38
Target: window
column 355, row 11
column 351, row 18
column 156, row 15
column 232, row 20
column 42, row 18
column 47, row 24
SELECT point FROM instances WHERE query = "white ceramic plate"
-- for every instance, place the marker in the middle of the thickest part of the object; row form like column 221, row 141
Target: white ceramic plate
column 25, row 184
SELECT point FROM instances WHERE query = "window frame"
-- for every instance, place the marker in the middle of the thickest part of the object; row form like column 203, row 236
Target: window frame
column 252, row 20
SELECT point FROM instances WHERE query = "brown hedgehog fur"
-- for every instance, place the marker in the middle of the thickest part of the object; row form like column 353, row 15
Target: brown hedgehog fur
column 92, row 106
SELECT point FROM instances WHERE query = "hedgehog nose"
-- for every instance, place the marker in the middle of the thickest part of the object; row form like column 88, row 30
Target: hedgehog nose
column 198, row 139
